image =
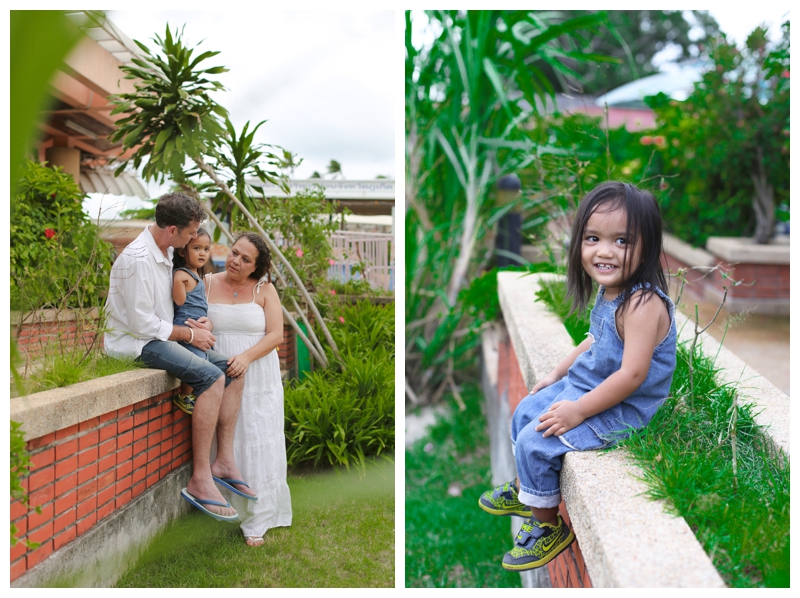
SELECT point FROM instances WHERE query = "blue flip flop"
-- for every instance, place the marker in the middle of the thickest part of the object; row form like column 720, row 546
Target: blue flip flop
column 229, row 484
column 199, row 502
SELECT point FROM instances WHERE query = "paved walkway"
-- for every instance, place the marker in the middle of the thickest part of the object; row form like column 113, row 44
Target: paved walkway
column 760, row 341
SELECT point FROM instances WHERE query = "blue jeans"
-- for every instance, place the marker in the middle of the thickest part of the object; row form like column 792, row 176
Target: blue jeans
column 195, row 371
column 538, row 458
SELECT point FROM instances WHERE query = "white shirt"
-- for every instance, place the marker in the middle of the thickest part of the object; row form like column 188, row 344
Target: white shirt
column 139, row 304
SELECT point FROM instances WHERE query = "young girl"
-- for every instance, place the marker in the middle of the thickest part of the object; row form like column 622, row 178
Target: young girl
column 189, row 296
column 612, row 383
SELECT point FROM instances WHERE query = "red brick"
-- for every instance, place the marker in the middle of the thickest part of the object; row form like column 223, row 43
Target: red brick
column 40, row 478
column 18, row 568
column 125, row 439
column 164, row 461
column 42, row 458
column 139, row 474
column 64, row 520
column 66, row 484
column 140, row 460
column 125, row 424
column 22, row 527
column 66, row 502
column 107, row 463
column 108, row 431
column 67, row 432
column 88, row 424
column 18, row 510
column 87, row 473
column 38, row 519
column 66, row 467
column 40, row 497
column 141, row 404
column 41, row 441
column 105, row 510
column 125, row 454
column 18, row 550
column 152, row 479
column 166, row 444
column 86, row 507
column 123, row 499
column 153, row 412
column 139, row 418
column 123, row 484
column 106, row 448
column 152, row 467
column 86, row 523
column 41, row 553
column 154, row 439
column 139, row 434
column 106, row 479
column 124, row 468
column 105, row 495
column 65, row 538
column 88, row 440
column 124, row 410
column 87, row 490
column 108, row 416
column 66, row 449
column 137, row 489
column 87, row 456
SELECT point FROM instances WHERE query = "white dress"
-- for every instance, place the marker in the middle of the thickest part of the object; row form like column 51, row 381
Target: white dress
column 259, row 444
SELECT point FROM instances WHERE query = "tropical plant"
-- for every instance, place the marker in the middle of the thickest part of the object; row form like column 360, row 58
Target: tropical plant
column 174, row 123
column 728, row 143
column 468, row 98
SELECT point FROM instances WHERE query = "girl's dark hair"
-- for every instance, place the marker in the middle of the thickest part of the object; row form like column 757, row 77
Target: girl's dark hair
column 179, row 261
column 643, row 233
column 264, row 259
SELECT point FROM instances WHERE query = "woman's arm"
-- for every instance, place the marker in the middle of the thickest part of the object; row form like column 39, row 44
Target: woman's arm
column 641, row 338
column 238, row 364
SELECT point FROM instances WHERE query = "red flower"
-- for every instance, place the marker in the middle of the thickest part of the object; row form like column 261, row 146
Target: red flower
column 785, row 74
column 659, row 140
column 49, row 233
column 646, row 140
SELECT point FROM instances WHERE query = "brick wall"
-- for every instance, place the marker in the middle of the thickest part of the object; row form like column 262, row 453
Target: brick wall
column 83, row 473
column 287, row 350
column 568, row 569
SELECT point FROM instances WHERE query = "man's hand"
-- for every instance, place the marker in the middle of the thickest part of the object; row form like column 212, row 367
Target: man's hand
column 203, row 339
column 202, row 322
column 561, row 417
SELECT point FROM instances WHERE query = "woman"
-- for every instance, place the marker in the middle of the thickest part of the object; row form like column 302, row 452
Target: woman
column 248, row 325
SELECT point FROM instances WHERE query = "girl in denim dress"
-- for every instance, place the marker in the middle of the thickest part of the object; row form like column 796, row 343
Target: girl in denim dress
column 612, row 383
column 189, row 298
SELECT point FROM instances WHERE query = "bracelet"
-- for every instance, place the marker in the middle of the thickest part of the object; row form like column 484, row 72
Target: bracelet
column 192, row 332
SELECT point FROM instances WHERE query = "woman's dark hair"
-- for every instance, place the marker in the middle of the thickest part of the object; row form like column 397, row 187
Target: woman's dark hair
column 643, row 233
column 264, row 259
column 179, row 261
column 177, row 209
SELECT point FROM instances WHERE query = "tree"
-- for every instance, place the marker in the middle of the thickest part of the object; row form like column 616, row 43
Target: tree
column 633, row 37
column 335, row 169
column 172, row 120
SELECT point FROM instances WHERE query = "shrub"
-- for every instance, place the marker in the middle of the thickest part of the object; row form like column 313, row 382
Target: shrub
column 57, row 258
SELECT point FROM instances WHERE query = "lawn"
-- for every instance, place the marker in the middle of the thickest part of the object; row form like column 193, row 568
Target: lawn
column 342, row 535
column 450, row 542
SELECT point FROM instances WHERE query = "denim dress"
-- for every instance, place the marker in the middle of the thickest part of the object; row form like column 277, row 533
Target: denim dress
column 539, row 459
column 195, row 306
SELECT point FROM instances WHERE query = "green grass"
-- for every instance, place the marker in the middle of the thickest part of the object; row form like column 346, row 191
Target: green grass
column 342, row 535
column 686, row 455
column 56, row 370
column 450, row 541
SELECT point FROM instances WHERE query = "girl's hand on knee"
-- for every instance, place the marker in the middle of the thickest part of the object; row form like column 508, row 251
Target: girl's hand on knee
column 561, row 417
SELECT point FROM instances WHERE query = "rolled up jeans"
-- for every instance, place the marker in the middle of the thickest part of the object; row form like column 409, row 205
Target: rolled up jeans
column 195, row 371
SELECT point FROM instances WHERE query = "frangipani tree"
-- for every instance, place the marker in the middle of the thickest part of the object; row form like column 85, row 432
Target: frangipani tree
column 179, row 132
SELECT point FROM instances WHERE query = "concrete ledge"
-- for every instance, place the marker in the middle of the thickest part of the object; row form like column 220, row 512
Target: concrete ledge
column 604, row 497
column 100, row 557
column 743, row 250
column 687, row 254
column 60, row 408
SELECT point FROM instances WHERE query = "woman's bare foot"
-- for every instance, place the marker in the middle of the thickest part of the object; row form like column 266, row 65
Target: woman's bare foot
column 254, row 541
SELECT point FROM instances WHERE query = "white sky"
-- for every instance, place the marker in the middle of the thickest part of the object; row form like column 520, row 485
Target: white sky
column 322, row 79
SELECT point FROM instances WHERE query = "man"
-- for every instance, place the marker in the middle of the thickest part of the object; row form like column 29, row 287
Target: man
column 140, row 315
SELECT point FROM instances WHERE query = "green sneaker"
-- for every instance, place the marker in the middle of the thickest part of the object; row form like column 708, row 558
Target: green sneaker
column 185, row 403
column 537, row 544
column 503, row 500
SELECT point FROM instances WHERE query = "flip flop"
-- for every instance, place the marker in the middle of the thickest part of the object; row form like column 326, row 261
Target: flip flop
column 199, row 502
column 228, row 483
